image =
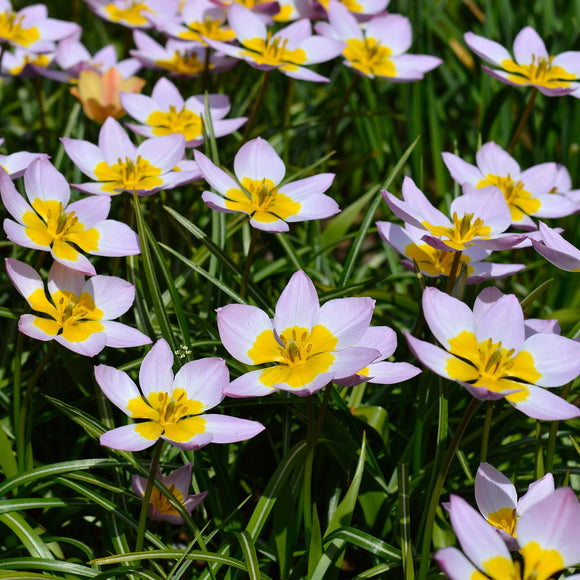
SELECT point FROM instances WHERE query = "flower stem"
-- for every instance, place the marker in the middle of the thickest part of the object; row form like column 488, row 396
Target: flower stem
column 523, row 120
column 312, row 437
column 453, row 272
column 255, row 108
column 554, row 433
column 339, row 111
column 438, row 487
column 249, row 262
column 147, row 496
column 485, row 434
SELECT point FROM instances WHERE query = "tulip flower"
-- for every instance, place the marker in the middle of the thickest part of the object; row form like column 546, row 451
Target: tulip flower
column 117, row 165
column 99, row 93
column 547, row 533
column 173, row 407
column 178, row 483
column 49, row 223
column 308, row 345
column 532, row 65
column 478, row 219
column 165, row 112
column 557, row 250
column 257, row 192
column 487, row 352
column 434, row 262
column 377, row 47
column 133, row 13
column 527, row 193
column 497, row 500
column 178, row 58
column 30, row 28
column 77, row 314
column 286, row 50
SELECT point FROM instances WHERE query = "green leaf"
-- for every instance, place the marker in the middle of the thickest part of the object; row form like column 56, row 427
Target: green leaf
column 14, row 505
column 7, row 459
column 31, row 541
column 315, row 549
column 75, row 570
column 366, row 542
column 375, row 416
column 250, row 556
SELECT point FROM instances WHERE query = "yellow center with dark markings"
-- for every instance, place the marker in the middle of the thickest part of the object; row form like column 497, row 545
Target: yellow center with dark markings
column 489, row 364
column 184, row 64
column 370, row 57
column 172, row 415
column 133, row 15
column 273, row 52
column 73, row 317
column 183, row 121
column 11, row 29
column 302, row 354
column 212, row 28
column 48, row 225
column 434, row 262
column 539, row 72
column 505, row 519
column 261, row 200
column 128, row 175
column 162, row 504
column 520, row 201
column 460, row 235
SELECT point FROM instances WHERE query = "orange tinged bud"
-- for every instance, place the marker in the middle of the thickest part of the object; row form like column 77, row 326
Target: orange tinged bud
column 99, row 93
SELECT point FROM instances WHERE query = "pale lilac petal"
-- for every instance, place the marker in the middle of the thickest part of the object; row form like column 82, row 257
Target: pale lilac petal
column 493, row 160
column 86, row 156
column 390, row 373
column 554, row 205
column 92, row 346
column 554, row 523
column 114, row 142
column 117, row 386
column 17, row 234
column 138, row 106
column 487, row 49
column 537, row 491
column 91, row 210
column 539, row 179
column 483, row 271
column 318, row 383
column 258, row 160
column 114, row 296
column 485, row 300
column 431, row 356
column 14, row 203
column 446, row 316
column 346, row 318
column 126, row 438
column 321, row 49
column 62, row 278
column 43, row 181
column 556, row 358
column 557, row 250
column 412, row 67
column 276, row 226
column 239, row 326
column 488, row 204
column 156, row 372
column 493, row 490
column 27, row 326
column 80, row 263
column 535, row 325
column 503, row 321
column 166, row 92
column 395, row 236
column 303, row 188
column 122, row 336
column 298, row 304
column 196, row 442
column 529, row 46
column 381, row 338
column 351, row 360
column 217, row 203
column 317, row 206
column 544, row 405
column 216, row 177
column 203, row 380
column 393, row 30
column 231, row 429
column 248, row 385
column 343, row 23
column 163, row 152
column 460, row 170
column 116, row 239
column 16, row 163
column 484, row 394
column 245, row 23
column 454, row 564
column 569, row 61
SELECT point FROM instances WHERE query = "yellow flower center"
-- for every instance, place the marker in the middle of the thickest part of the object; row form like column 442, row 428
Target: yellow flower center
column 352, row 5
column 162, row 504
column 72, row 317
column 173, row 415
column 48, row 225
column 301, row 354
column 462, row 232
column 500, row 567
column 540, row 72
column 261, row 200
column 133, row 15
column 41, row 60
column 505, row 519
column 489, row 364
column 128, row 175
column 273, row 52
column 432, row 261
column 539, row 563
column 11, row 30
column 210, row 28
column 520, row 201
column 185, row 122
column 370, row 57
column 186, row 64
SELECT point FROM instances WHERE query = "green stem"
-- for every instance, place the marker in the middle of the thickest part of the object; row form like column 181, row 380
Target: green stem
column 539, row 462
column 332, row 131
column 286, row 126
column 22, row 423
column 312, row 437
column 147, row 496
column 249, row 262
column 440, row 481
column 554, row 433
column 486, row 429
column 256, row 106
column 523, row 120
column 205, row 77
column 453, row 272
